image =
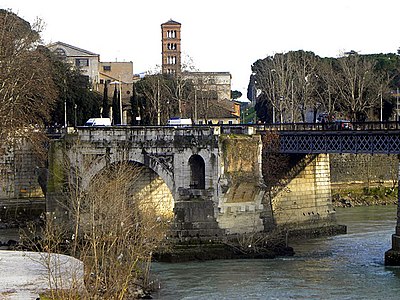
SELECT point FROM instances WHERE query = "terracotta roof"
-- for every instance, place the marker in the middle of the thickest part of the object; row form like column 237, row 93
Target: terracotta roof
column 171, row 22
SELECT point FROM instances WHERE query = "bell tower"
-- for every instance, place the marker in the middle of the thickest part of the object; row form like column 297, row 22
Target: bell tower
column 171, row 47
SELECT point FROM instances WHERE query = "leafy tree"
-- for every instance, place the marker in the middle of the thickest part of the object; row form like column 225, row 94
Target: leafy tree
column 115, row 107
column 289, row 85
column 136, row 107
column 75, row 91
column 236, row 94
column 106, row 106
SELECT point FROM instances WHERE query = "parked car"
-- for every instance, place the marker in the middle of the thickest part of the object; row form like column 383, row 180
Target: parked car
column 322, row 118
column 98, row 122
column 325, row 118
column 179, row 122
column 342, row 125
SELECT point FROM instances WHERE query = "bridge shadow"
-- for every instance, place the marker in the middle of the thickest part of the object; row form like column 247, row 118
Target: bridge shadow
column 279, row 169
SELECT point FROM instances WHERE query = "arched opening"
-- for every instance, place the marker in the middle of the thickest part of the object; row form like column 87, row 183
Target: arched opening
column 197, row 172
column 136, row 185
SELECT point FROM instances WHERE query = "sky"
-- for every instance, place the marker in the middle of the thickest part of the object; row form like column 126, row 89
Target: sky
column 217, row 35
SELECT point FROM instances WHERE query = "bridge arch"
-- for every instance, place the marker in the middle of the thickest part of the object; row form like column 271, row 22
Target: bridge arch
column 144, row 186
column 94, row 165
column 197, row 172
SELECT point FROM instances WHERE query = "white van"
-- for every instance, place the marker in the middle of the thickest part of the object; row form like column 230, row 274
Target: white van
column 98, row 122
column 179, row 122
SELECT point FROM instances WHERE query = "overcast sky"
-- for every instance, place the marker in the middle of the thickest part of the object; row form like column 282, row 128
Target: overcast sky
column 219, row 35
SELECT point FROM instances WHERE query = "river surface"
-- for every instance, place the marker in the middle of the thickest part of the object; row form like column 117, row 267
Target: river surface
column 349, row 266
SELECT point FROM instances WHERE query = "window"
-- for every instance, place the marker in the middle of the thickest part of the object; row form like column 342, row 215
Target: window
column 197, row 172
column 171, row 46
column 171, row 60
column 101, row 81
column 171, row 34
column 82, row 62
column 106, row 68
column 60, row 53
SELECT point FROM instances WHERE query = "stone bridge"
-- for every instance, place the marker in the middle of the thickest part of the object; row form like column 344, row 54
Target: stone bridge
column 210, row 178
column 213, row 179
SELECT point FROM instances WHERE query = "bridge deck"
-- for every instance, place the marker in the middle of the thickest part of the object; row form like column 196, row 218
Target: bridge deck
column 365, row 137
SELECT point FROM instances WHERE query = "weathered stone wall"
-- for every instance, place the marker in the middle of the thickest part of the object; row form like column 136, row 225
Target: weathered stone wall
column 21, row 173
column 234, row 196
column 165, row 151
column 240, row 205
column 363, row 168
column 306, row 198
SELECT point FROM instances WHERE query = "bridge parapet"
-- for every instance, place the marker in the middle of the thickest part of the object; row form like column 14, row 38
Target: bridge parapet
column 149, row 136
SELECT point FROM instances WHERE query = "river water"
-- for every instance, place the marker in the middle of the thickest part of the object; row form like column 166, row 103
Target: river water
column 349, row 266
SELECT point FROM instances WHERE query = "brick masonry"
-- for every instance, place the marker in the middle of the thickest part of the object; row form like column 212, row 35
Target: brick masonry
column 307, row 197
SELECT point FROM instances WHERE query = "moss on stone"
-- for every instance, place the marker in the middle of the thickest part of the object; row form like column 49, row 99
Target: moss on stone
column 56, row 167
column 240, row 155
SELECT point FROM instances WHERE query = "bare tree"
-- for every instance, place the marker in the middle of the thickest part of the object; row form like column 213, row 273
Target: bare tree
column 27, row 91
column 114, row 228
column 288, row 81
column 304, row 84
column 120, row 231
column 358, row 85
column 149, row 92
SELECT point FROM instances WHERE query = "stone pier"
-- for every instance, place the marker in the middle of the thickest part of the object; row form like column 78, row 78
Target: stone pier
column 392, row 256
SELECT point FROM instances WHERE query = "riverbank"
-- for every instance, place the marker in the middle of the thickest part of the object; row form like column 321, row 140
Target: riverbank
column 349, row 196
column 17, row 213
column 25, row 275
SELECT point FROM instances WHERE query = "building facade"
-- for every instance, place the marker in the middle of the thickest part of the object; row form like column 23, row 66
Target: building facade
column 87, row 62
column 118, row 75
column 216, row 84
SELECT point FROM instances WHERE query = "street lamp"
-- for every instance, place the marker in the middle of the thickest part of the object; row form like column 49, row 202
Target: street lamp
column 75, row 107
column 120, row 99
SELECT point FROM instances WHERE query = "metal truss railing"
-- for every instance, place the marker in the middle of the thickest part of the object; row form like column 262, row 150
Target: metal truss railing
column 372, row 142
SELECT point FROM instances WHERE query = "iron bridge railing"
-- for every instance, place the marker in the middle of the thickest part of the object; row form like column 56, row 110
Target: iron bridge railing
column 359, row 137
